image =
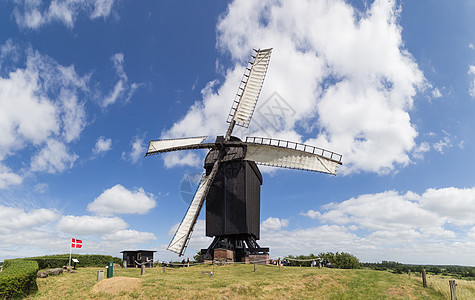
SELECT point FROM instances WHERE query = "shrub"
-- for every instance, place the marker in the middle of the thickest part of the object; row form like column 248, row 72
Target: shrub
column 89, row 260
column 339, row 260
column 18, row 278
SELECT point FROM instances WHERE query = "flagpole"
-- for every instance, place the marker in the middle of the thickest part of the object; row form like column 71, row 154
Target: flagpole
column 70, row 246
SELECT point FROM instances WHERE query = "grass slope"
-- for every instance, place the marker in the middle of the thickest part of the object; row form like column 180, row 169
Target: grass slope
column 236, row 282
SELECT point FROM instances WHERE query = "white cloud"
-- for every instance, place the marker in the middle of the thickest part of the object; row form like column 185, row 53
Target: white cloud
column 390, row 212
column 85, row 225
column 471, row 74
column 102, row 8
column 39, row 107
column 455, row 205
column 120, row 200
column 471, row 233
column 312, row 214
column 138, row 150
column 420, row 150
column 272, row 224
column 12, row 219
column 471, row 46
column 348, row 79
column 309, row 240
column 34, row 14
column 102, row 145
column 436, row 93
column 122, row 89
column 53, row 158
column 73, row 115
column 41, row 188
column 129, row 235
column 43, row 231
column 184, row 158
column 8, row 178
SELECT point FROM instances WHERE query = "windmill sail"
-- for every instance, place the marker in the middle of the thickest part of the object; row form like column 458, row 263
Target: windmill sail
column 250, row 88
column 160, row 146
column 183, row 233
column 278, row 153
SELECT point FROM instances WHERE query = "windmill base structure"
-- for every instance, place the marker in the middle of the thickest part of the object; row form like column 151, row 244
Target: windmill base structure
column 231, row 182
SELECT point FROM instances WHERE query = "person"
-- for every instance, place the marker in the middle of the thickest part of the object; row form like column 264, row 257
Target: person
column 188, row 262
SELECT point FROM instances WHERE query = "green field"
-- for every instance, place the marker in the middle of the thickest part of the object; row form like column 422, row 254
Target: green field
column 241, row 282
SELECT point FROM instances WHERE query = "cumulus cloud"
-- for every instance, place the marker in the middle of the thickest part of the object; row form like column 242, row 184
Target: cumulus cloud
column 389, row 213
column 119, row 200
column 34, row 14
column 271, row 224
column 129, row 234
column 85, row 225
column 12, row 219
column 102, row 145
column 389, row 224
column 138, row 150
column 8, row 178
column 53, row 158
column 312, row 214
column 39, row 107
column 122, row 89
column 34, row 232
column 346, row 75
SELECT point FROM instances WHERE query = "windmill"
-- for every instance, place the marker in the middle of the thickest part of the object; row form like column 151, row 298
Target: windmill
column 231, row 181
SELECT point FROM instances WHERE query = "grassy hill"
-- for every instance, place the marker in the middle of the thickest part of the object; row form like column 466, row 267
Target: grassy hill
column 241, row 282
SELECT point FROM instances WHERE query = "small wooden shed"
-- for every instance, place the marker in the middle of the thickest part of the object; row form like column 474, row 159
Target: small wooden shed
column 136, row 258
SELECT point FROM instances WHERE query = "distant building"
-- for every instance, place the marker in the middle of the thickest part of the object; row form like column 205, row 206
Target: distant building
column 135, row 258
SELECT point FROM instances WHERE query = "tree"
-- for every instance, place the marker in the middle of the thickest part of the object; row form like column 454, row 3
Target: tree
column 197, row 257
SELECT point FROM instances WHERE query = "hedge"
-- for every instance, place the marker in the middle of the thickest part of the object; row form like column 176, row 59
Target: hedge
column 18, row 278
column 89, row 260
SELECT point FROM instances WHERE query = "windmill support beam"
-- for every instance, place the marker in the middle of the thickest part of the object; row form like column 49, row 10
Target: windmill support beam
column 242, row 247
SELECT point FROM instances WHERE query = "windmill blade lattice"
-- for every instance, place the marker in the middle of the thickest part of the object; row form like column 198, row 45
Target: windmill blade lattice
column 249, row 90
column 183, row 233
column 286, row 154
column 161, row 146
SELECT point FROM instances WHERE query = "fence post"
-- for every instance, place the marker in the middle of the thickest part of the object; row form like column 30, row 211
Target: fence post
column 424, row 279
column 409, row 273
column 255, row 267
column 142, row 271
column 164, row 269
column 453, row 292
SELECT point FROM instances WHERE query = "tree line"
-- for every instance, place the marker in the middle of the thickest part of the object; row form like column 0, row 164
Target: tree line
column 399, row 268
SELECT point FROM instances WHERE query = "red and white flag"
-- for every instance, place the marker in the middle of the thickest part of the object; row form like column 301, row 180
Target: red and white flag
column 76, row 243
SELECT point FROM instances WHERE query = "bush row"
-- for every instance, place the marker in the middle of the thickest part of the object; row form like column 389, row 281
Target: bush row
column 89, row 260
column 18, row 278
column 339, row 260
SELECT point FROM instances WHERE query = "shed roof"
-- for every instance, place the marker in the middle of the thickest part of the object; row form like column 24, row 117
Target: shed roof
column 138, row 251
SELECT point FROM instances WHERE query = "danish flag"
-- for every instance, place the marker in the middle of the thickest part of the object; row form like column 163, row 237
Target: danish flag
column 76, row 243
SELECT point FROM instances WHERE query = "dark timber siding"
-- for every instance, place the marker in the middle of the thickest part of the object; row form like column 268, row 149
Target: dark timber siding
column 233, row 202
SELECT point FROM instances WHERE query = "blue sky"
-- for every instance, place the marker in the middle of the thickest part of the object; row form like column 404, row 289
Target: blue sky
column 84, row 85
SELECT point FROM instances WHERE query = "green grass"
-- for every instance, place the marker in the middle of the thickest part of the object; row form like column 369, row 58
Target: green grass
column 241, row 282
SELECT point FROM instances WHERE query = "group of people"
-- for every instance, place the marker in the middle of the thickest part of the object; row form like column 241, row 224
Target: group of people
column 321, row 263
column 184, row 263
column 279, row 262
